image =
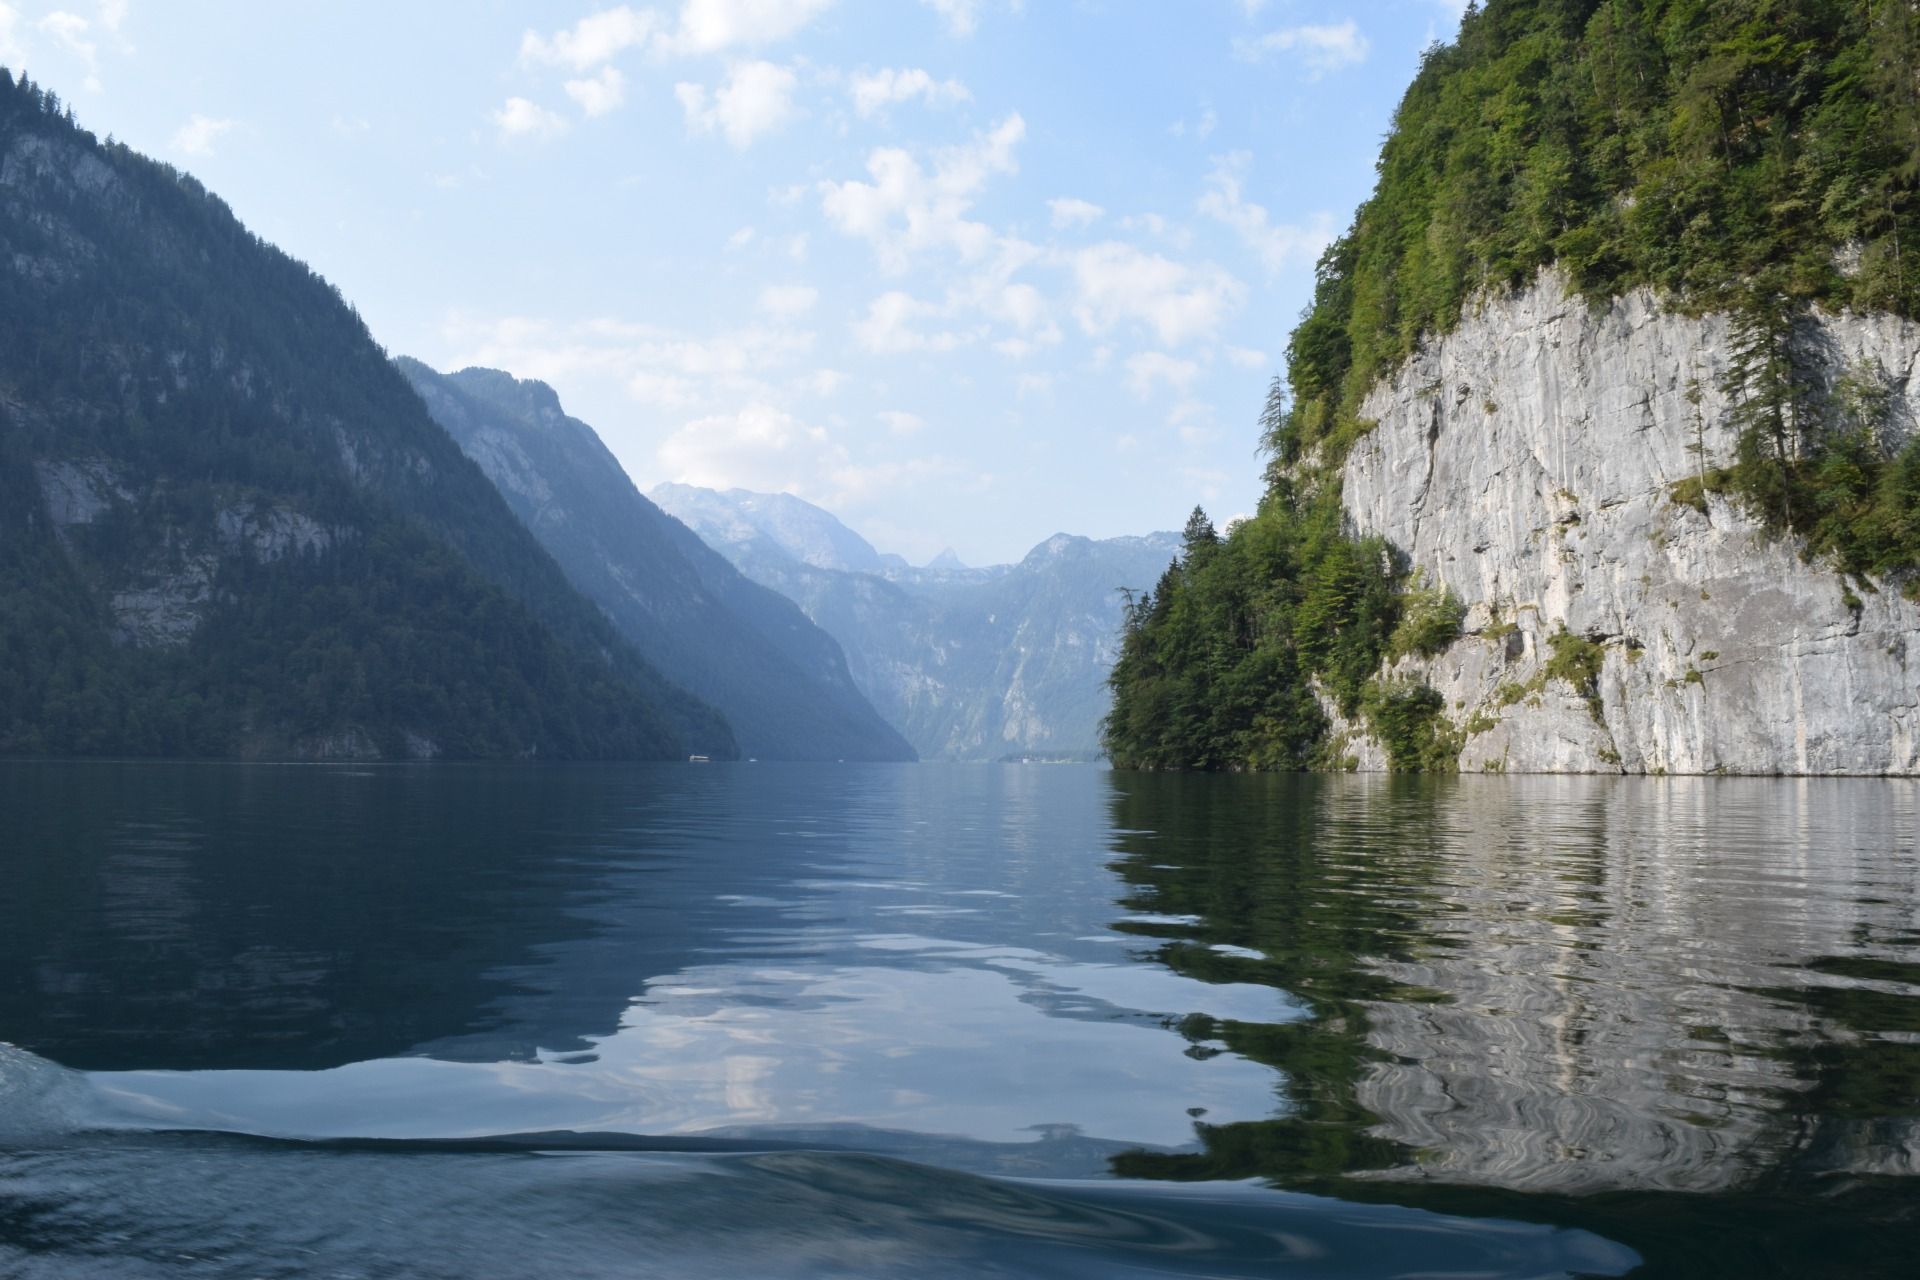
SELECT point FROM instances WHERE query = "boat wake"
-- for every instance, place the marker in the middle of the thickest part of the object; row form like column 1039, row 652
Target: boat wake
column 81, row 1199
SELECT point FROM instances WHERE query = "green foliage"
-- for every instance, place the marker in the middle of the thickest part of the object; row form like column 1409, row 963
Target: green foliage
column 1218, row 662
column 1577, row 660
column 1691, row 491
column 1430, row 620
column 1755, row 156
column 1817, row 461
column 199, row 375
column 1693, row 147
column 1410, row 721
column 1215, row 661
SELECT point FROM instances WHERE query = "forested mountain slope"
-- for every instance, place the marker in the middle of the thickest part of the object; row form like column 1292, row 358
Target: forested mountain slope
column 229, row 527
column 1596, row 448
column 781, row 682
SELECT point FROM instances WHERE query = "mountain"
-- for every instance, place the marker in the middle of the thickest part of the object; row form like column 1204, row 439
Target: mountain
column 1596, row 451
column 229, row 527
column 781, row 682
column 970, row 664
column 787, row 525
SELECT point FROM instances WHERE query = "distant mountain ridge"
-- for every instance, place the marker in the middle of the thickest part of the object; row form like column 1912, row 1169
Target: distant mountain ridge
column 972, row 664
column 781, row 682
column 229, row 527
column 796, row 527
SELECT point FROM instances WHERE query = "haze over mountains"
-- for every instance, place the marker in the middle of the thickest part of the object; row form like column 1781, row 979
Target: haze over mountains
column 233, row 527
column 971, row 664
column 780, row 681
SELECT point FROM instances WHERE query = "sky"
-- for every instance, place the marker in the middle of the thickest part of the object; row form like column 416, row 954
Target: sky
column 967, row 273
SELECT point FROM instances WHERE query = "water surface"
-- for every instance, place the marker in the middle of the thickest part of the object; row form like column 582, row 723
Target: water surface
column 894, row 1020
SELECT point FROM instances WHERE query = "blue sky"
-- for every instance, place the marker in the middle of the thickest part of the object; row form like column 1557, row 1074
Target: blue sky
column 965, row 272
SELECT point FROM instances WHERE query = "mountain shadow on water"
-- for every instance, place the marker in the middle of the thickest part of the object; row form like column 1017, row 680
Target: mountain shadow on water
column 447, row 911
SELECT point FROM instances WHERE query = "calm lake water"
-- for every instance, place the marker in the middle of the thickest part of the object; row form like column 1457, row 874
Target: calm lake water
column 781, row 1021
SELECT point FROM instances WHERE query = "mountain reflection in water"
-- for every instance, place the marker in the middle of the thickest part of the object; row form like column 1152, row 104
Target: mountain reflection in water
column 1574, row 987
column 1677, row 1016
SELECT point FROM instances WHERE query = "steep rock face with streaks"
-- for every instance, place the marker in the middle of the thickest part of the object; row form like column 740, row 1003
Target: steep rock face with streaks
column 1527, row 462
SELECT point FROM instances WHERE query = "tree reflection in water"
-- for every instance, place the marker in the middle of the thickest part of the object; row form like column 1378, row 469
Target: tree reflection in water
column 1684, row 1013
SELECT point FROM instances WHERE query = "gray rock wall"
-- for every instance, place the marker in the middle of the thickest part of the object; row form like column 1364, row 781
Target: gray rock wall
column 1526, row 461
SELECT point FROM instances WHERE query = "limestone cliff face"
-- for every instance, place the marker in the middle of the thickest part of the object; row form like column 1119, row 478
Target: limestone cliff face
column 1526, row 461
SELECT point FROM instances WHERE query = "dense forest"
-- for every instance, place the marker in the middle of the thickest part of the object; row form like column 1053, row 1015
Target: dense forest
column 1754, row 157
column 228, row 525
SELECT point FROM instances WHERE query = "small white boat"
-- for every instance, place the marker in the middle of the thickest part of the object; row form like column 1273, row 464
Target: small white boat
column 699, row 759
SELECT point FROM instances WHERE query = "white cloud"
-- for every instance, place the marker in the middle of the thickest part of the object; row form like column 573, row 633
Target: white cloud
column 874, row 92
column 905, row 209
column 599, row 94
column 822, row 382
column 1117, row 283
column 961, row 15
column 1193, row 421
column 664, row 390
column 740, row 239
column 1248, row 358
column 197, row 136
column 657, row 366
column 1207, row 482
column 595, row 39
column 1069, row 212
column 112, row 13
column 901, row 423
column 70, row 32
column 759, row 446
column 1200, row 128
column 1276, row 244
column 710, row 26
column 1322, row 48
column 889, row 326
column 1193, row 435
column 788, row 299
column 756, row 100
column 762, row 446
column 520, row 119
column 11, row 51
column 1147, row 368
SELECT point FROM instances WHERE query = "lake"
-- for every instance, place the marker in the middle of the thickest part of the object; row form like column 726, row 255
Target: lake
column 786, row 1021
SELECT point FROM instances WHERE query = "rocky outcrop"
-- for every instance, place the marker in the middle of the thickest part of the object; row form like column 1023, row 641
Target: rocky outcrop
column 78, row 492
column 1526, row 462
column 161, row 602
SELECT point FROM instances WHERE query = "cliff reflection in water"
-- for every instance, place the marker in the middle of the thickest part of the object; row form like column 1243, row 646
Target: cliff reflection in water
column 1550, row 985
